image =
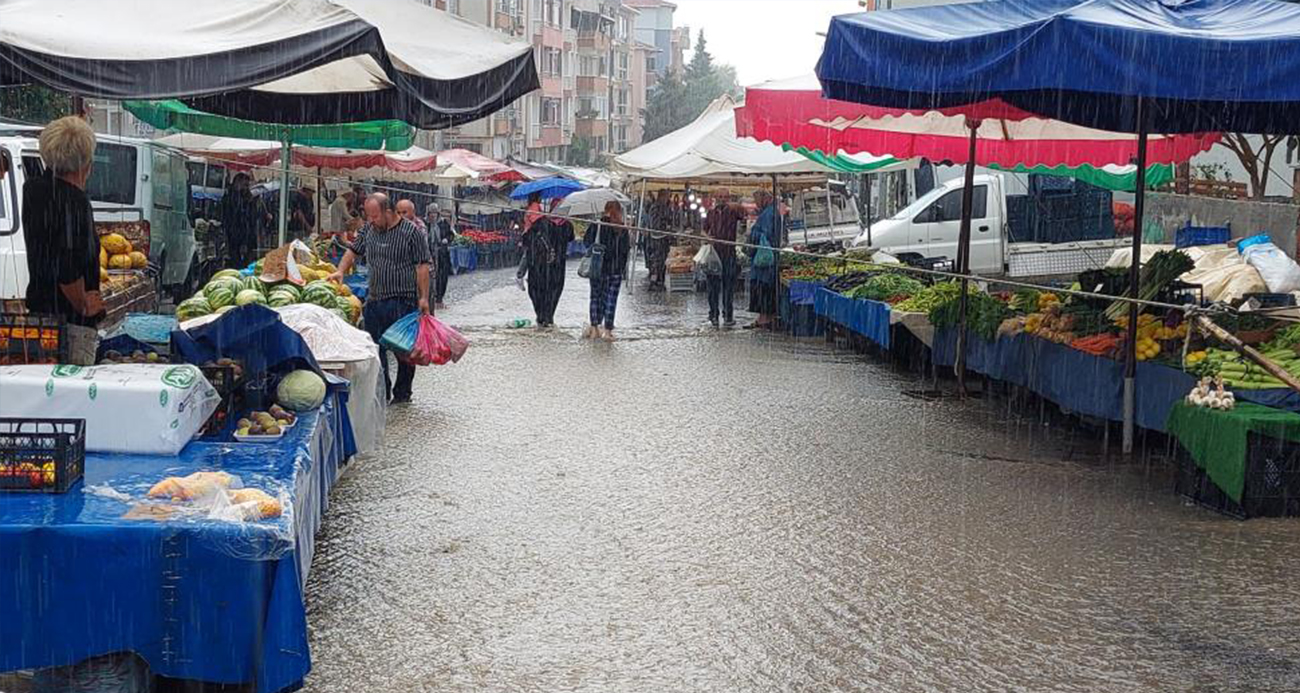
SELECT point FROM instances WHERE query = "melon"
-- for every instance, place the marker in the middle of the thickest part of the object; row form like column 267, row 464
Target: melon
column 191, row 309
column 279, row 299
column 343, row 315
column 356, row 307
column 219, row 295
column 223, row 309
column 321, row 297
column 300, row 391
column 248, row 296
column 115, row 243
column 233, row 274
column 290, row 289
column 103, row 275
column 103, row 257
column 254, row 284
column 119, row 262
column 138, row 260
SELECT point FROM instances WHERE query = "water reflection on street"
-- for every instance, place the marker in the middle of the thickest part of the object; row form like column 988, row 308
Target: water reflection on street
column 687, row 510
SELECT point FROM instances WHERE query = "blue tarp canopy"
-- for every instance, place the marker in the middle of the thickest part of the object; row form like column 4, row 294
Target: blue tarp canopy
column 1201, row 65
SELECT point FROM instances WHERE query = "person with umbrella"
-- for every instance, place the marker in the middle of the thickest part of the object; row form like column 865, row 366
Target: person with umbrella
column 544, row 264
column 613, row 236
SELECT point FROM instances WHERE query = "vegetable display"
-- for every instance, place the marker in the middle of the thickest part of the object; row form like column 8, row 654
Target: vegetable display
column 984, row 313
column 1163, row 269
column 932, row 296
column 886, row 286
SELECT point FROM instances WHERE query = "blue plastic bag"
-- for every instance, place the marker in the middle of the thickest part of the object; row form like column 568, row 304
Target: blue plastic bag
column 401, row 335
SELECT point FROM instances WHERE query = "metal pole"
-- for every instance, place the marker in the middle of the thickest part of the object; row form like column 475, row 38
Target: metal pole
column 963, row 253
column 284, row 188
column 830, row 214
column 867, row 177
column 1134, row 274
column 631, row 260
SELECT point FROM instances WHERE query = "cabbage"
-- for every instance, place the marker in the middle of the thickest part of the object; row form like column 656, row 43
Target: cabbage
column 301, row 391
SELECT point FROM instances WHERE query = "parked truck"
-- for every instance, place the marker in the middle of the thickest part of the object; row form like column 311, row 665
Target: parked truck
column 1041, row 234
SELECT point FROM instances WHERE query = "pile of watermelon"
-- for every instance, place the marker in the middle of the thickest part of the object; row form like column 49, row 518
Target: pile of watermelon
column 228, row 289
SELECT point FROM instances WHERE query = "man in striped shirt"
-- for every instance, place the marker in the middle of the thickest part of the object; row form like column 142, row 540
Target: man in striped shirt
column 397, row 254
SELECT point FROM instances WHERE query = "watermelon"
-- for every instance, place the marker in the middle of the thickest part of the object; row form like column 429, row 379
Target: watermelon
column 190, row 309
column 318, row 284
column 223, row 309
column 233, row 274
column 248, row 296
column 343, row 315
column 290, row 289
column 255, row 284
column 219, row 295
column 343, row 304
column 321, row 296
column 278, row 299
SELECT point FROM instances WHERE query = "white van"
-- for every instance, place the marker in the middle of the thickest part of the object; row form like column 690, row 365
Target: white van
column 822, row 215
column 132, row 180
column 930, row 226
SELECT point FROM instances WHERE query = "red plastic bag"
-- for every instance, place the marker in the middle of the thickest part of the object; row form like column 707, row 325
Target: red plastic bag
column 436, row 344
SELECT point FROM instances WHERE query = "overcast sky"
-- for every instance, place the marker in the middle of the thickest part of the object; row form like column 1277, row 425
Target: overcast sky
column 763, row 39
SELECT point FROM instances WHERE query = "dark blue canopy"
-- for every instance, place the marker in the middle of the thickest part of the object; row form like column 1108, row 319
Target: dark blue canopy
column 1202, row 65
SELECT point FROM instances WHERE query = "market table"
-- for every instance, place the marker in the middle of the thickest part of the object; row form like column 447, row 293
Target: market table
column 198, row 599
column 870, row 319
column 1217, row 440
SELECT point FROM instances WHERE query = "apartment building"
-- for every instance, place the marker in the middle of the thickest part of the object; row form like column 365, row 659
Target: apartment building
column 592, row 86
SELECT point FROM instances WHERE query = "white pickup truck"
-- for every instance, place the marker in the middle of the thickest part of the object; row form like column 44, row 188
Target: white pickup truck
column 929, row 228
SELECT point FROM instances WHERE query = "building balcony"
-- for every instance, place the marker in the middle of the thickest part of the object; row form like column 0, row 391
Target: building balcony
column 552, row 85
column 592, row 127
column 598, row 86
column 594, row 41
column 546, row 135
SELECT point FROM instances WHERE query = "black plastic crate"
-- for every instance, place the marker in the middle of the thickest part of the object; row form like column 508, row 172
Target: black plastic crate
column 27, row 339
column 43, row 455
column 1272, row 484
column 226, row 380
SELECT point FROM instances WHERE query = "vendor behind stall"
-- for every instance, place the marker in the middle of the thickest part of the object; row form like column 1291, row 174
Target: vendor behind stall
column 59, row 229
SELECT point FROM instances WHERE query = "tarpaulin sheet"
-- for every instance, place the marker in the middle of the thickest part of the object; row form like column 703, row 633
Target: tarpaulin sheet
column 1202, row 65
column 252, row 334
column 801, row 293
column 359, row 283
column 198, row 599
column 1086, row 384
column 867, row 318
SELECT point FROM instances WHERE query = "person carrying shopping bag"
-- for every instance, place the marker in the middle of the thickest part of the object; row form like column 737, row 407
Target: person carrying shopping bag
column 615, row 245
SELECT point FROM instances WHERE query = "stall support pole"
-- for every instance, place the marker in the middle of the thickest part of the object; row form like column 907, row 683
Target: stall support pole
column 631, row 260
column 963, row 254
column 284, row 188
column 1134, row 274
column 320, row 220
column 867, row 177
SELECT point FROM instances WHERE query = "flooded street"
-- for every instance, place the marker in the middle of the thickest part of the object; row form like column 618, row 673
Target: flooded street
column 687, row 510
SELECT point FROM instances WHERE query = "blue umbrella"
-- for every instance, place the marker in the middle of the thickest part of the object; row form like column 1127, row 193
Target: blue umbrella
column 1198, row 65
column 547, row 188
column 1120, row 65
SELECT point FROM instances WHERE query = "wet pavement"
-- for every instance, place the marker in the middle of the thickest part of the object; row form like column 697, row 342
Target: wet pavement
column 688, row 510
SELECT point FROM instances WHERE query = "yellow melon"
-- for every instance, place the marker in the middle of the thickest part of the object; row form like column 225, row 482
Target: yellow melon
column 138, row 260
column 115, row 243
column 119, row 262
column 103, row 275
column 103, row 257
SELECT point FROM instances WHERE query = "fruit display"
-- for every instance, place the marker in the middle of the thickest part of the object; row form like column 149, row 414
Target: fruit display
column 200, row 489
column 117, row 253
column 115, row 357
column 230, row 288
column 271, row 423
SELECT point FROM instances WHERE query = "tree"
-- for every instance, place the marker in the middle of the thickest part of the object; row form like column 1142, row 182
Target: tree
column 580, row 151
column 1257, row 160
column 666, row 108
column 677, row 100
column 33, row 104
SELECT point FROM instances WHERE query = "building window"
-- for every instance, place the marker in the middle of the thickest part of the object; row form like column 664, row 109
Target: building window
column 622, row 66
column 622, row 28
column 650, row 64
column 552, row 62
column 551, row 109
column 554, row 12
column 511, row 7
column 592, row 107
column 622, row 95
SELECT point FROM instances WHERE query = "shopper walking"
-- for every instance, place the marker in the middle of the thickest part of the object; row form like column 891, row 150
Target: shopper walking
column 534, row 211
column 242, row 217
column 721, row 227
column 545, row 263
column 62, row 246
column 764, row 238
column 658, row 244
column 613, row 237
column 398, row 257
column 341, row 213
column 441, row 233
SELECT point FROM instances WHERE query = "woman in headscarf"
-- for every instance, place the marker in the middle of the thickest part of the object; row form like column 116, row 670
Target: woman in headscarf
column 546, row 244
column 612, row 234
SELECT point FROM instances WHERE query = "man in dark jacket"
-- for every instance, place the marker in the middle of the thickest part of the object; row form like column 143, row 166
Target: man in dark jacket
column 242, row 217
